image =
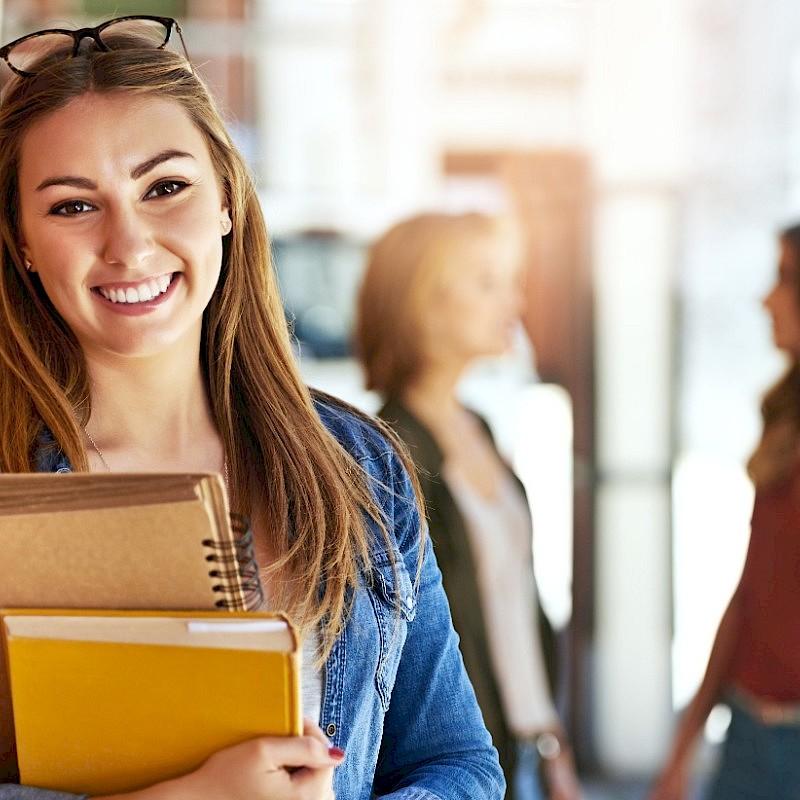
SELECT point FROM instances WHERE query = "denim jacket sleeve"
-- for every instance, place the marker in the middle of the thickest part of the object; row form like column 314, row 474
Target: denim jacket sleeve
column 412, row 730
column 12, row 791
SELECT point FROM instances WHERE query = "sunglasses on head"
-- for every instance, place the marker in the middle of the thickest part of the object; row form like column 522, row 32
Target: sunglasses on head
column 24, row 53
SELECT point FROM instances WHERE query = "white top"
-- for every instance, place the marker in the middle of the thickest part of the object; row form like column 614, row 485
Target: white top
column 500, row 535
column 311, row 677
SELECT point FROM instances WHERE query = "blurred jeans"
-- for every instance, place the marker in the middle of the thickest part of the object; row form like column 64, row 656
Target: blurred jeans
column 759, row 762
column 527, row 783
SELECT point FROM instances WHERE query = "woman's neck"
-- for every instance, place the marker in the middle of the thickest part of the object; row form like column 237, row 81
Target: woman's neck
column 151, row 415
column 432, row 397
column 465, row 446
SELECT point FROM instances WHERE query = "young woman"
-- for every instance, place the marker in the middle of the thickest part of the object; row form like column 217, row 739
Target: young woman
column 141, row 330
column 439, row 292
column 754, row 664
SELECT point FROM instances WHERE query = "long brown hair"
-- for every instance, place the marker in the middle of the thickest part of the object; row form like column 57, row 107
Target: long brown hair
column 312, row 494
column 778, row 452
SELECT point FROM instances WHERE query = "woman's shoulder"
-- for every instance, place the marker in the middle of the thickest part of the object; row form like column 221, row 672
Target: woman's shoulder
column 362, row 435
column 372, row 444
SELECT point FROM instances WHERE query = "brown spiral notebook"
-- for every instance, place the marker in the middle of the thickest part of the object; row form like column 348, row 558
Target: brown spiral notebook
column 119, row 541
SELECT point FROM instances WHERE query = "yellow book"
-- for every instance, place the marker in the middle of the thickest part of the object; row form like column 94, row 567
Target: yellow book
column 111, row 701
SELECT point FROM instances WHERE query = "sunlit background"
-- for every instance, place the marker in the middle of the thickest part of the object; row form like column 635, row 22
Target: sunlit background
column 651, row 150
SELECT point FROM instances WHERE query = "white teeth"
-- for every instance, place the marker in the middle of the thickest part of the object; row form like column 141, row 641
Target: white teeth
column 138, row 294
column 145, row 293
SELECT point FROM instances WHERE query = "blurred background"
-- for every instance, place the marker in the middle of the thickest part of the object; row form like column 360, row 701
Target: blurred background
column 651, row 151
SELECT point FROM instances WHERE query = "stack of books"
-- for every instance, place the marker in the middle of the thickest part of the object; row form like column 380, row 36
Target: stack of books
column 133, row 636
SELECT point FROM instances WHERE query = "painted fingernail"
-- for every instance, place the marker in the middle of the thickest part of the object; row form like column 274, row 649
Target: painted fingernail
column 336, row 752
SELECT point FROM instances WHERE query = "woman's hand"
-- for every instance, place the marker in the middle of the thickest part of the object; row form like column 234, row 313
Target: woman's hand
column 560, row 777
column 267, row 768
column 671, row 784
column 271, row 768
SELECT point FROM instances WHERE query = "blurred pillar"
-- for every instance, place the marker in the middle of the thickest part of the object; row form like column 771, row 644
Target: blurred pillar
column 636, row 97
column 550, row 193
column 634, row 250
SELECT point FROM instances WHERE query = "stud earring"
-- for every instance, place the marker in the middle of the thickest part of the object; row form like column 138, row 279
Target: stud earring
column 226, row 224
column 28, row 264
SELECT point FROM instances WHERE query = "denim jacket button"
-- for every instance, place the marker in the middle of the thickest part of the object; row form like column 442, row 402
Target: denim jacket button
column 330, row 729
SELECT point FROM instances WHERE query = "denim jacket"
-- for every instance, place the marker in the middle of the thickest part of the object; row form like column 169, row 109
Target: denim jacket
column 396, row 697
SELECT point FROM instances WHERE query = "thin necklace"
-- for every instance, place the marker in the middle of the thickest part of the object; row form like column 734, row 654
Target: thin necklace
column 225, row 474
column 97, row 450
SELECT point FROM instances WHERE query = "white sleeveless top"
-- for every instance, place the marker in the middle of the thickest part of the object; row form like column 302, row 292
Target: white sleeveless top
column 500, row 536
column 311, row 677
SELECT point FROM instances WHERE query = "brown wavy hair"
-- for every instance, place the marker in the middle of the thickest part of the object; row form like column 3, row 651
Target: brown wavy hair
column 314, row 496
column 778, row 452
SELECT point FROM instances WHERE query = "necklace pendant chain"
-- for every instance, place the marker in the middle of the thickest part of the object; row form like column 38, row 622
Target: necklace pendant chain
column 225, row 472
column 97, row 450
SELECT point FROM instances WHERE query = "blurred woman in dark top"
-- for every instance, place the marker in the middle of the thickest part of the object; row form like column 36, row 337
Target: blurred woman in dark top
column 439, row 292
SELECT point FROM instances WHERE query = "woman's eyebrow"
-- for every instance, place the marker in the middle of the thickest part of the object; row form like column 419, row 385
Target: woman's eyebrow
column 67, row 180
column 136, row 173
column 160, row 158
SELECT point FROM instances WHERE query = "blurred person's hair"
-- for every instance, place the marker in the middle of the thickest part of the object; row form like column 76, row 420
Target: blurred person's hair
column 404, row 268
column 778, row 451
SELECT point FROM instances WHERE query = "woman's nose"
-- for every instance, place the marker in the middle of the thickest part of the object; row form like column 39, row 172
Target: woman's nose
column 128, row 238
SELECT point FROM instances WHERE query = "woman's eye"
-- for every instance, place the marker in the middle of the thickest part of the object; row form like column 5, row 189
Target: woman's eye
column 72, row 208
column 163, row 188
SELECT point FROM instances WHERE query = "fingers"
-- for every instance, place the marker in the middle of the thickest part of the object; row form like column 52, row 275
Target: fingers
column 294, row 752
column 273, row 768
column 313, row 730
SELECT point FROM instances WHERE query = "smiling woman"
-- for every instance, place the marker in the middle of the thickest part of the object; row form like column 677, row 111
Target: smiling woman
column 141, row 330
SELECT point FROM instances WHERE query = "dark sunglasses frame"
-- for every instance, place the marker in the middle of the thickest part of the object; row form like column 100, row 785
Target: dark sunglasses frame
column 96, row 34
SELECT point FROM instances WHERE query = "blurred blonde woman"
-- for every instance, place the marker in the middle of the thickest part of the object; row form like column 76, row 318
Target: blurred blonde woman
column 439, row 292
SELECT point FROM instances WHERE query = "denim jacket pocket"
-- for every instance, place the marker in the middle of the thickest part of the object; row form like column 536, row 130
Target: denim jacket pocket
column 394, row 602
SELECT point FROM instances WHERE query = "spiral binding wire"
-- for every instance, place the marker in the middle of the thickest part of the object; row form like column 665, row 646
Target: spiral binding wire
column 237, row 568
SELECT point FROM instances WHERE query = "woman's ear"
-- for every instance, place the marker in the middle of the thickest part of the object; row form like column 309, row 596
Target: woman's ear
column 27, row 256
column 225, row 221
